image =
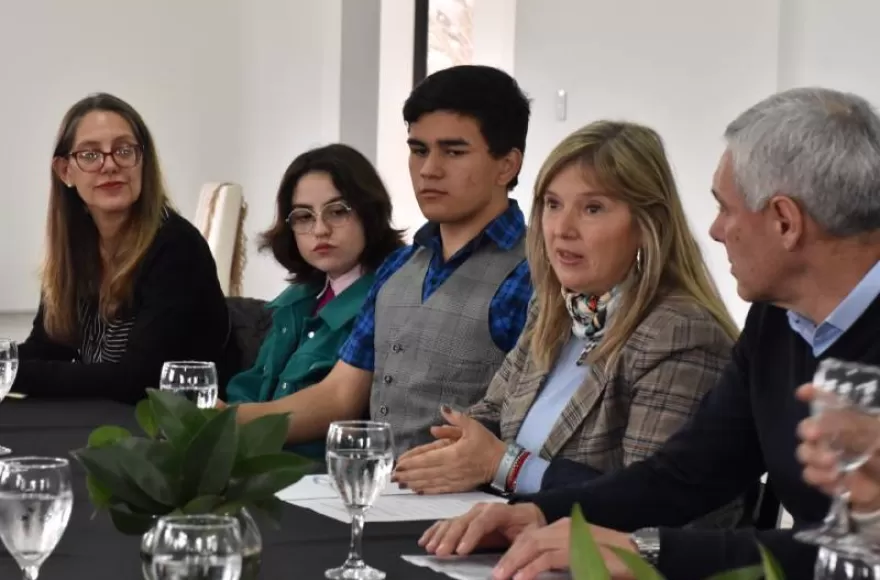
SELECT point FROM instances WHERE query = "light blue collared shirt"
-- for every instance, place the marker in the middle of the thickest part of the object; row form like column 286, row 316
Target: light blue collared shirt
column 821, row 337
column 561, row 385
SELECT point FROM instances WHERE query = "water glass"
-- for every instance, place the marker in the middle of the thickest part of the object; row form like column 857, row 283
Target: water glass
column 359, row 460
column 846, row 406
column 197, row 547
column 831, row 565
column 35, row 505
column 195, row 380
column 8, row 370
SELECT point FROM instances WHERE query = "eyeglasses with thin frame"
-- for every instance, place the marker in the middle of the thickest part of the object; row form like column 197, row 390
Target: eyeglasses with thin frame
column 92, row 160
column 302, row 220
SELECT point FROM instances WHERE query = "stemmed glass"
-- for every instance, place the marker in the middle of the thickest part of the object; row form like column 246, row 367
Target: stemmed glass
column 35, row 505
column 846, row 405
column 195, row 380
column 8, row 370
column 831, row 565
column 360, row 455
column 197, row 547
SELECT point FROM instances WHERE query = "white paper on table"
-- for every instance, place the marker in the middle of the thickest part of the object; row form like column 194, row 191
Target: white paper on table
column 474, row 567
column 322, row 487
column 401, row 507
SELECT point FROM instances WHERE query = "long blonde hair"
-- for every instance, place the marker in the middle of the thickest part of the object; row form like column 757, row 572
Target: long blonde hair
column 72, row 268
column 629, row 160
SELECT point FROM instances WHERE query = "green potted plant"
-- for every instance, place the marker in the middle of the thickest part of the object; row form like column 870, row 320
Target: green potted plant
column 190, row 461
column 587, row 562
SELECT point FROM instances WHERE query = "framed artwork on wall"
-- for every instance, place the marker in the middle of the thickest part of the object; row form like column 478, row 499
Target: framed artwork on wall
column 443, row 36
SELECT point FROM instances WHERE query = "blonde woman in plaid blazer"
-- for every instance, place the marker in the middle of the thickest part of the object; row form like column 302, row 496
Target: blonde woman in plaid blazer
column 626, row 331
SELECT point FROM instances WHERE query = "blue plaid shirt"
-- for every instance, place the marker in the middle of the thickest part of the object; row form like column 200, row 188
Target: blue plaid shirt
column 507, row 311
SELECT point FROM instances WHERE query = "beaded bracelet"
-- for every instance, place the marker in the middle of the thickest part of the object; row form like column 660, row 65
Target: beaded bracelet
column 512, row 475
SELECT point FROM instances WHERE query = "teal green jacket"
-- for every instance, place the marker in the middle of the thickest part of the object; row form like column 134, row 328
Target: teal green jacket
column 300, row 349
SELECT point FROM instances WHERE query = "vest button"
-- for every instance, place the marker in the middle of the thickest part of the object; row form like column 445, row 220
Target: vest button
column 396, row 348
column 383, row 410
column 387, row 379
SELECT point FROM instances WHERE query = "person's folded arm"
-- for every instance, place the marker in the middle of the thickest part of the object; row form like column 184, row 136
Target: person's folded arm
column 677, row 366
column 176, row 320
column 244, row 386
column 343, row 395
column 672, row 366
column 708, row 463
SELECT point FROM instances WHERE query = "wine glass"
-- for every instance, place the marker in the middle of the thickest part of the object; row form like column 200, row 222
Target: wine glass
column 359, row 459
column 195, row 380
column 846, row 407
column 197, row 547
column 35, row 505
column 831, row 565
column 8, row 370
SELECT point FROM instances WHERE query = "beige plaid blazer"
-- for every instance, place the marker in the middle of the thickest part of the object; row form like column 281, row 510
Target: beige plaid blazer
column 671, row 360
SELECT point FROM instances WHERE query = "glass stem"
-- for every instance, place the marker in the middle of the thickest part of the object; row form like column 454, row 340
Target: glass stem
column 838, row 516
column 357, row 533
column 31, row 572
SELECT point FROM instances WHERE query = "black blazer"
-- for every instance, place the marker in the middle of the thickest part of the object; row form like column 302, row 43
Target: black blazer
column 179, row 313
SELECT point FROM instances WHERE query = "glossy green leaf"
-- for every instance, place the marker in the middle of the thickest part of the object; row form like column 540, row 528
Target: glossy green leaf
column 204, row 504
column 270, row 507
column 264, row 435
column 99, row 495
column 107, row 466
column 143, row 414
column 640, row 569
column 107, row 435
column 772, row 569
column 750, row 573
column 210, row 456
column 586, row 559
column 209, row 414
column 149, row 478
column 230, row 508
column 177, row 418
column 261, row 477
column 130, row 523
column 161, row 453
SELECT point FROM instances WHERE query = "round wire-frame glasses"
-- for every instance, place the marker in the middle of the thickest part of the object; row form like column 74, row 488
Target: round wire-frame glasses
column 302, row 220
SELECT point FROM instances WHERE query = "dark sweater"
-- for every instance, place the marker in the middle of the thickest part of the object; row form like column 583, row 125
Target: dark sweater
column 745, row 426
column 177, row 312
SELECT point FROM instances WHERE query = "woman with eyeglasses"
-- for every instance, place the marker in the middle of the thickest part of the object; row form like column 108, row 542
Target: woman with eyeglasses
column 127, row 283
column 333, row 230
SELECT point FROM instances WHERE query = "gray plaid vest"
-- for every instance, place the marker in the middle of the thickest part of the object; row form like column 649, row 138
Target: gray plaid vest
column 439, row 351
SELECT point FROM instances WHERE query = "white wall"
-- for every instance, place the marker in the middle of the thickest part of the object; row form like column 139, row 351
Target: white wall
column 833, row 44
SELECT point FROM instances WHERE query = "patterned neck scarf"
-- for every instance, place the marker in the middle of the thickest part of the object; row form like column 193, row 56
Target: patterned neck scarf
column 589, row 315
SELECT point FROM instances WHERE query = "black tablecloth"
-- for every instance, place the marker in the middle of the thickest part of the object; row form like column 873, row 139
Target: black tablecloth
column 305, row 545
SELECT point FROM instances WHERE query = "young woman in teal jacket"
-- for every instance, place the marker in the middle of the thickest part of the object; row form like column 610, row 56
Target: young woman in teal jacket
column 332, row 230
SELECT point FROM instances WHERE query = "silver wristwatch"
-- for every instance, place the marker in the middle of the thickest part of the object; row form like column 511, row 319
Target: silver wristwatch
column 647, row 540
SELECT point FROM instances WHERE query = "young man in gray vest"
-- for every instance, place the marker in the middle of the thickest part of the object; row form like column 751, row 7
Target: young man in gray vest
column 443, row 312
